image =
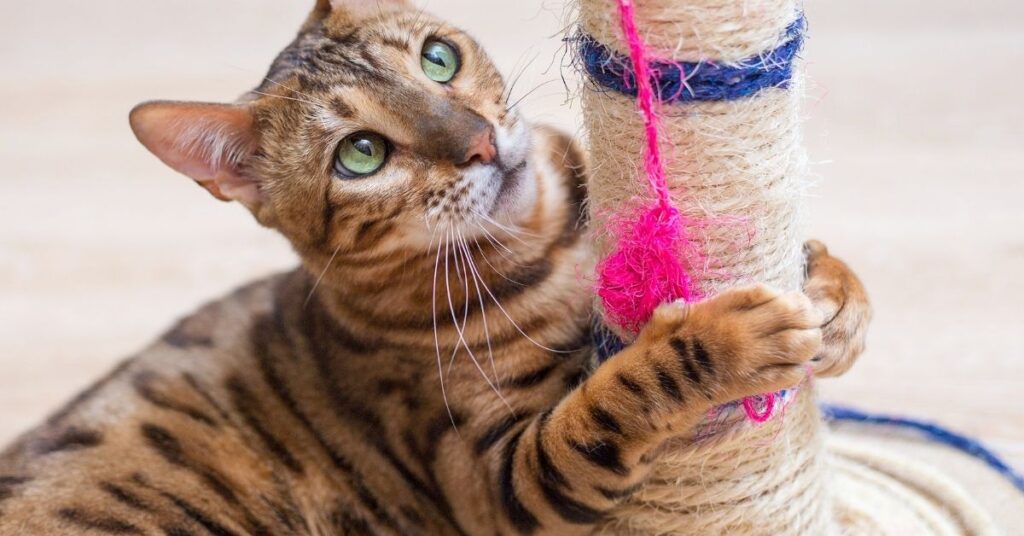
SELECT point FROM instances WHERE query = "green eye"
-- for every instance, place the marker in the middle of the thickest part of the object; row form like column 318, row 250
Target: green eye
column 439, row 60
column 361, row 154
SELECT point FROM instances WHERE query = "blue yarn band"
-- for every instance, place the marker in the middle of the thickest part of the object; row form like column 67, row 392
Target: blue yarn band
column 676, row 82
column 606, row 343
column 933, row 432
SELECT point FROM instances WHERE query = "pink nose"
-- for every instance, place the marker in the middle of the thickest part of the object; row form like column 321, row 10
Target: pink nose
column 481, row 147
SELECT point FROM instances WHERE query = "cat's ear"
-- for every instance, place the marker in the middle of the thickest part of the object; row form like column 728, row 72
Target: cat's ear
column 361, row 9
column 207, row 142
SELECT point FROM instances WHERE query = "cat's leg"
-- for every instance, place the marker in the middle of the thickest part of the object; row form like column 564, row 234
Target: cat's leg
column 839, row 295
column 575, row 462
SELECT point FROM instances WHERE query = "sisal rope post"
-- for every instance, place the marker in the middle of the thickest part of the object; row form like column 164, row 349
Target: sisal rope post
column 735, row 167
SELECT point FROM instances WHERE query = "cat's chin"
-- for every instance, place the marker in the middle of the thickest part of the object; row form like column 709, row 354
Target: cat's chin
column 516, row 195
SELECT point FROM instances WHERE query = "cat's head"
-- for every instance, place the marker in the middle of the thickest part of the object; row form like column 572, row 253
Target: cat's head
column 378, row 127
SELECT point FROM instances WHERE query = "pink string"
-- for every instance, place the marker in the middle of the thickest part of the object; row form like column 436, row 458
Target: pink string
column 645, row 99
column 649, row 265
column 646, row 269
column 750, row 406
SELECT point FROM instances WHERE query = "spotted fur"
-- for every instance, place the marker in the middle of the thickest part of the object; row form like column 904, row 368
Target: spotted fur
column 425, row 371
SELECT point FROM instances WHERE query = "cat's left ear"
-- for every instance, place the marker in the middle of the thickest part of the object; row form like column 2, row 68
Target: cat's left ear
column 207, row 142
column 363, row 9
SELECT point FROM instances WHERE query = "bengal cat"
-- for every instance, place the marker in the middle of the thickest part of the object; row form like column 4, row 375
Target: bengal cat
column 425, row 371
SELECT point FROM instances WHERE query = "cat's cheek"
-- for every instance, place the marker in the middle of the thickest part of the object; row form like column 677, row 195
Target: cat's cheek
column 483, row 186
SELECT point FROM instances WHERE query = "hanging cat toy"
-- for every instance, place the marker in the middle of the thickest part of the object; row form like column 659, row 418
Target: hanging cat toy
column 692, row 111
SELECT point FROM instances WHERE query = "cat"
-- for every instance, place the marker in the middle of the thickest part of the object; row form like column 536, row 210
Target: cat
column 426, row 370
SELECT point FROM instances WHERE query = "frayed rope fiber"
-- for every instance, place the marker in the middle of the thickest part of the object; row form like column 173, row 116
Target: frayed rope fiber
column 677, row 82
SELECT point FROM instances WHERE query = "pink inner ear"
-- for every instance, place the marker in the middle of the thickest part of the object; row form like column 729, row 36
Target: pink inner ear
column 207, row 142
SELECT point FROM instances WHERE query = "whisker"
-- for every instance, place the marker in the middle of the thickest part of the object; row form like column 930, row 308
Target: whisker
column 320, row 278
column 483, row 312
column 461, row 332
column 511, row 320
column 522, row 71
column 501, row 249
column 510, row 229
column 528, row 93
column 461, row 261
column 495, row 268
column 451, row 307
column 419, row 23
column 497, row 243
column 279, row 84
column 317, row 105
column 437, row 340
column 514, row 233
column 293, row 90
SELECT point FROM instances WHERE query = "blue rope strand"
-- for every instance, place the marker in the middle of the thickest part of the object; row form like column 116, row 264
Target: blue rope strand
column 697, row 81
column 606, row 343
column 933, row 432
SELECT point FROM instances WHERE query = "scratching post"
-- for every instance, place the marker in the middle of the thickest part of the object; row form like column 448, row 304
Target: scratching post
column 726, row 85
column 697, row 181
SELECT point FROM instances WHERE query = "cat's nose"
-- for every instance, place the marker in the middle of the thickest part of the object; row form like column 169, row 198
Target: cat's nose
column 481, row 148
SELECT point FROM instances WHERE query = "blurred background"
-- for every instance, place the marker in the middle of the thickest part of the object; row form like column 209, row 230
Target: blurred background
column 914, row 124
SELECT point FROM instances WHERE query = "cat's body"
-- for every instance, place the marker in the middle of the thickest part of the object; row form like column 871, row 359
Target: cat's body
column 265, row 413
column 426, row 370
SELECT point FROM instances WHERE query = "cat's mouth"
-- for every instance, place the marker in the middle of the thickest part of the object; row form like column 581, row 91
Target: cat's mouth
column 511, row 169
column 512, row 178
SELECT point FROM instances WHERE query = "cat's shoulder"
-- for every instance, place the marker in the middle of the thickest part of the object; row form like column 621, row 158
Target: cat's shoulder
column 224, row 319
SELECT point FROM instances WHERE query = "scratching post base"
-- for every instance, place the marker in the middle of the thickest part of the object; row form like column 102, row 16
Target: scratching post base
column 770, row 479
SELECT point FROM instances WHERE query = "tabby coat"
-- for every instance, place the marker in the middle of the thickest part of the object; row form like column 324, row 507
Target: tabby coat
column 425, row 371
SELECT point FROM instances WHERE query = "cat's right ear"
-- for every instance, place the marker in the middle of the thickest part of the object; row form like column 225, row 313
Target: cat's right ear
column 207, row 142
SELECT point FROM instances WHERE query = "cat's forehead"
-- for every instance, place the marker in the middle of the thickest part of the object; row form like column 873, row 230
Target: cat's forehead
column 332, row 53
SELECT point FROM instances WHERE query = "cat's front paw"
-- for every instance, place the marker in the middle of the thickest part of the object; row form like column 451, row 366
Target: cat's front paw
column 741, row 343
column 837, row 292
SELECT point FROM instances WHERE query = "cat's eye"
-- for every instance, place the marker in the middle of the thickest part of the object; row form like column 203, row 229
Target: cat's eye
column 440, row 61
column 361, row 154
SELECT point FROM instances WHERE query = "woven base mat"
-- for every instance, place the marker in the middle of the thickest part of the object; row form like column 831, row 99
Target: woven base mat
column 890, row 482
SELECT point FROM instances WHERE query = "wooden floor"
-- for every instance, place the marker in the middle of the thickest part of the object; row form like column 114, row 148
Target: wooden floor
column 915, row 125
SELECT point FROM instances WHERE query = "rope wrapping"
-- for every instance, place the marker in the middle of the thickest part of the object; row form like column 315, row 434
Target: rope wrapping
column 728, row 159
column 701, row 99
